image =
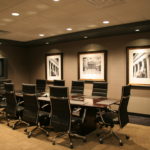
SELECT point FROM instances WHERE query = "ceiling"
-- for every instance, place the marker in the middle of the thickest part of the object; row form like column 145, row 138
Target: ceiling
column 52, row 18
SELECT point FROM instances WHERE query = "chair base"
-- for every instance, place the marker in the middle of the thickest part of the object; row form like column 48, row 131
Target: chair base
column 38, row 127
column 17, row 123
column 112, row 133
column 70, row 136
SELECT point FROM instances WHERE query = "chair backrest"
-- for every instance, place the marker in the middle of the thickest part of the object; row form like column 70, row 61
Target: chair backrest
column 11, row 103
column 58, row 91
column 40, row 85
column 61, row 114
column 9, row 87
column 126, row 90
column 100, row 89
column 2, row 85
column 59, row 83
column 28, row 88
column 122, row 110
column 31, row 108
column 77, row 87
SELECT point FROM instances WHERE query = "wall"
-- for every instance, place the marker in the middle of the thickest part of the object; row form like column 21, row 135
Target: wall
column 17, row 64
column 116, row 72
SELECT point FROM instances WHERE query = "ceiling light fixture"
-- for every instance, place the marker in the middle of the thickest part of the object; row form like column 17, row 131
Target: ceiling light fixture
column 106, row 22
column 137, row 30
column 85, row 37
column 47, row 43
column 0, row 43
column 41, row 35
column 56, row 0
column 15, row 14
column 69, row 29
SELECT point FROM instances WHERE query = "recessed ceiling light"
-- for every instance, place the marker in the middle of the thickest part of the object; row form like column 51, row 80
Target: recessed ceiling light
column 47, row 43
column 15, row 14
column 41, row 34
column 0, row 43
column 85, row 37
column 56, row 0
column 106, row 22
column 68, row 29
column 137, row 30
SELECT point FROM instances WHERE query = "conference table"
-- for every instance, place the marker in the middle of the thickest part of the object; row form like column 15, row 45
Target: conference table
column 91, row 104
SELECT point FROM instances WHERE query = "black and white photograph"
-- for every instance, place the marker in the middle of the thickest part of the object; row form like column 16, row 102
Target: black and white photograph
column 92, row 66
column 139, row 66
column 54, row 67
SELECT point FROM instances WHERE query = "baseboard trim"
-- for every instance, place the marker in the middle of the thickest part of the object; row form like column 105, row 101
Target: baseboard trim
column 138, row 114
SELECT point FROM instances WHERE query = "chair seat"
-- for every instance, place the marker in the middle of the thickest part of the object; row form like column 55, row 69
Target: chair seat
column 43, row 113
column 75, row 120
column 20, row 108
column 111, row 118
column 3, row 104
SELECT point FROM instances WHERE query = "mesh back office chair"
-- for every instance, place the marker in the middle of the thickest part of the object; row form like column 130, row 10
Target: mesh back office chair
column 100, row 89
column 77, row 87
column 13, row 109
column 2, row 94
column 40, row 85
column 28, row 88
column 117, row 117
column 33, row 115
column 59, row 82
column 58, row 91
column 61, row 119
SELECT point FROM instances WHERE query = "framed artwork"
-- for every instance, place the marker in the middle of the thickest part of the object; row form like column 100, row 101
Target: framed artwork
column 138, row 66
column 92, row 65
column 54, row 66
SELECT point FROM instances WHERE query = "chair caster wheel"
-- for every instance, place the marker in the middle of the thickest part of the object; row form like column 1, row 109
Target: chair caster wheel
column 97, row 134
column 120, row 143
column 100, row 141
column 53, row 143
column 47, row 134
column 29, row 134
column 84, row 140
column 13, row 127
column 25, row 130
column 71, row 146
column 127, row 137
column 8, row 124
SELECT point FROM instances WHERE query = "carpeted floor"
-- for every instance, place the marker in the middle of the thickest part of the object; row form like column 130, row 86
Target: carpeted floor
column 17, row 140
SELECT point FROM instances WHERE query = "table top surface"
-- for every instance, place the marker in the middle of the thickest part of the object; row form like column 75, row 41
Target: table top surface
column 91, row 101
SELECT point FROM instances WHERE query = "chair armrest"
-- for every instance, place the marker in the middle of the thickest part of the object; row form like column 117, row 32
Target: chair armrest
column 21, row 102
column 45, row 105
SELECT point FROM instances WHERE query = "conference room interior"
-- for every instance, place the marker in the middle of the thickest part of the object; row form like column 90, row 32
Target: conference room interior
column 26, row 62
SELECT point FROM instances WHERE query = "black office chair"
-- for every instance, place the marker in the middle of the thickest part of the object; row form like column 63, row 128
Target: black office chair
column 33, row 115
column 58, row 91
column 61, row 119
column 13, row 110
column 28, row 88
column 117, row 117
column 100, row 89
column 2, row 95
column 40, row 85
column 77, row 87
column 59, row 82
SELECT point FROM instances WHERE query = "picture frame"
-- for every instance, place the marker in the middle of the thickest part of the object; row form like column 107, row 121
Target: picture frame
column 92, row 66
column 54, row 66
column 138, row 66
